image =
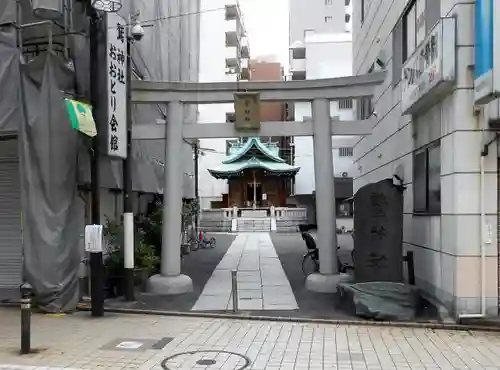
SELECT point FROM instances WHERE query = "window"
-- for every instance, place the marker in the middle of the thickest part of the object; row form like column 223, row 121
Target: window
column 344, row 208
column 345, row 104
column 409, row 31
column 427, row 179
column 345, row 152
column 328, row 18
column 230, row 117
column 397, row 57
column 418, row 19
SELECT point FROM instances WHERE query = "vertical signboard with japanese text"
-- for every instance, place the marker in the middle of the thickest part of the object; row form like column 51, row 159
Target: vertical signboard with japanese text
column 487, row 52
column 117, row 86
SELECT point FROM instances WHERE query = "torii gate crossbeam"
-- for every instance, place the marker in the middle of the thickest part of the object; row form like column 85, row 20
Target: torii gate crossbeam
column 322, row 127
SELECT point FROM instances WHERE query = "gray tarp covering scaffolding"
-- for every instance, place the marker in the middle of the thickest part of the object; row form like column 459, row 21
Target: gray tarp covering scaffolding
column 53, row 157
column 48, row 153
column 34, row 109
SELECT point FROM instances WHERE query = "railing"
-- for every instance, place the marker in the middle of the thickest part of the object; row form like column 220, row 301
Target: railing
column 287, row 219
column 217, row 214
column 216, row 219
column 254, row 213
column 282, row 213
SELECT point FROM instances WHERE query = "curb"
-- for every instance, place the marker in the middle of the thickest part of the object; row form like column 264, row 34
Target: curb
column 248, row 317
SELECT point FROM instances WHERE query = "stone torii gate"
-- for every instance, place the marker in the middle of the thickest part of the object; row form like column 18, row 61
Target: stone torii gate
column 321, row 127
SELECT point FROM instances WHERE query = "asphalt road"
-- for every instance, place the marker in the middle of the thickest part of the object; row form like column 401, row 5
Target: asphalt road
column 199, row 265
column 290, row 249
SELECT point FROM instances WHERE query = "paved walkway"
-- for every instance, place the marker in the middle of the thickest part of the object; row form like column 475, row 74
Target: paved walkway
column 144, row 342
column 262, row 282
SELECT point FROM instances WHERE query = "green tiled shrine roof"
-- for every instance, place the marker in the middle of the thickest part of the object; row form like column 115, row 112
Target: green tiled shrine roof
column 253, row 155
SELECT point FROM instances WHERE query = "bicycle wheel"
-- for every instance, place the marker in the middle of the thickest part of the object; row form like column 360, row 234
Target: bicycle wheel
column 309, row 264
column 213, row 242
column 195, row 245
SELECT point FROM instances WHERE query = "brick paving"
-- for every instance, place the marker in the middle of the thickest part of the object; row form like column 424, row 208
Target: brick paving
column 79, row 342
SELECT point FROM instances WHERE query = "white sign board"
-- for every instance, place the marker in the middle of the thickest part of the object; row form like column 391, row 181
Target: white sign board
column 432, row 63
column 93, row 238
column 117, row 86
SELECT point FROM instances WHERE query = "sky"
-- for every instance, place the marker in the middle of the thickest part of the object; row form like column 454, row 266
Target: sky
column 266, row 22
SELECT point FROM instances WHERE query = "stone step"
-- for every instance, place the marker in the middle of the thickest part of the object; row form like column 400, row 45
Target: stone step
column 254, row 224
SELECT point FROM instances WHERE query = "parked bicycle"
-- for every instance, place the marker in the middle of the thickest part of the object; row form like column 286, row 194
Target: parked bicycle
column 310, row 260
column 205, row 242
column 192, row 241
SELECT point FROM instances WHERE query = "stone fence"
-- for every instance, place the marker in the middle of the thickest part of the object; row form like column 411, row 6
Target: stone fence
column 226, row 219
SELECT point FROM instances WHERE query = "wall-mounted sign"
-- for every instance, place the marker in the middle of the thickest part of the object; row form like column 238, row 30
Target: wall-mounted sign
column 430, row 69
column 487, row 52
column 117, row 86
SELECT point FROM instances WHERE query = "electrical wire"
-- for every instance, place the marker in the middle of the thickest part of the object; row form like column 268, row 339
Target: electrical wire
column 147, row 22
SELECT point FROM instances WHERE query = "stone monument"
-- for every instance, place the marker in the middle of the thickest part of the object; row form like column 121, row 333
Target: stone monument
column 378, row 227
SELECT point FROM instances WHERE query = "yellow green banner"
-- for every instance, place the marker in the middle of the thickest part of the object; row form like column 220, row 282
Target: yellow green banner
column 80, row 115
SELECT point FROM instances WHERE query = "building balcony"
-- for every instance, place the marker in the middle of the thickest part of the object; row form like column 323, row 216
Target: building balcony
column 297, row 50
column 245, row 49
column 232, row 12
column 232, row 57
column 245, row 73
column 234, row 30
column 232, row 39
column 298, row 75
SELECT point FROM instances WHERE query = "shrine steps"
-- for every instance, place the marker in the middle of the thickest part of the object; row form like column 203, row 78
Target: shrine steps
column 261, row 224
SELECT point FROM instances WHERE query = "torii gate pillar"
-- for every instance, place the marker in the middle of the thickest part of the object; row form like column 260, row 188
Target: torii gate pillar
column 328, row 278
column 170, row 281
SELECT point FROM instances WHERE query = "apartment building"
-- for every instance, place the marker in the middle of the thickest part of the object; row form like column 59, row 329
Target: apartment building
column 430, row 132
column 224, row 55
column 321, row 47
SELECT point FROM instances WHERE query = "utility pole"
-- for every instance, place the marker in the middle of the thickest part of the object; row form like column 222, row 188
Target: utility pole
column 128, row 210
column 96, row 260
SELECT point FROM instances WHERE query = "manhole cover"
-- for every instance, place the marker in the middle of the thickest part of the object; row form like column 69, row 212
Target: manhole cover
column 207, row 358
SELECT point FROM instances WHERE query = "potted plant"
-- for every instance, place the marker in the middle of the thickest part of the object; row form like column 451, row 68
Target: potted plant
column 150, row 226
column 146, row 262
column 114, row 257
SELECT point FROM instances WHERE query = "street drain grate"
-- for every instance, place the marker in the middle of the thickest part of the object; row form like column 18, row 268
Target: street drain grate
column 207, row 358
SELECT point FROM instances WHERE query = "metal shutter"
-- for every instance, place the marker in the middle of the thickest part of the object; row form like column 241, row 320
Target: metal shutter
column 10, row 220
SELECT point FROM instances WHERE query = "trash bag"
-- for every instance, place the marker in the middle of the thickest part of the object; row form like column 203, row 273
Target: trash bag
column 382, row 301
